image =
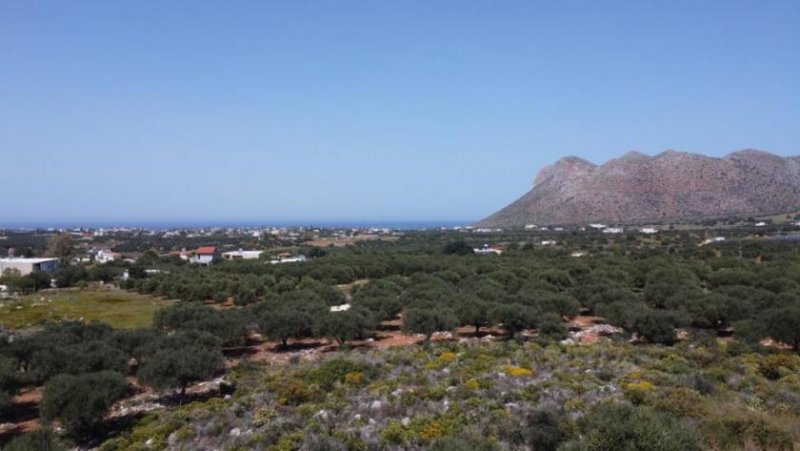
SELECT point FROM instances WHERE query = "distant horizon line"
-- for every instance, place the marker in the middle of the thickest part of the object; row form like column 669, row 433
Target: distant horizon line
column 190, row 223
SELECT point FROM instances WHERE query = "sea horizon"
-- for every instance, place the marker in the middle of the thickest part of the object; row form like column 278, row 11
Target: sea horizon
column 201, row 224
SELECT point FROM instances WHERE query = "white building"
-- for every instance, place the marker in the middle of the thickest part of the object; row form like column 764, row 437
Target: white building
column 648, row 230
column 105, row 256
column 295, row 259
column 716, row 239
column 486, row 250
column 613, row 230
column 26, row 266
column 242, row 255
column 203, row 255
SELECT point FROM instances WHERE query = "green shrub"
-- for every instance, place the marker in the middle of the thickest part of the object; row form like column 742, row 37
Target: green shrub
column 735, row 429
column 294, row 393
column 463, row 444
column 623, row 427
column 5, row 403
column 775, row 366
column 333, row 371
column 656, row 326
column 552, row 327
column 680, row 401
column 323, row 443
column 394, row 433
column 42, row 439
column 543, row 430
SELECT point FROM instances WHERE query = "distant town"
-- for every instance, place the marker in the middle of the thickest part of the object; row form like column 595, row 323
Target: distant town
column 113, row 334
column 24, row 251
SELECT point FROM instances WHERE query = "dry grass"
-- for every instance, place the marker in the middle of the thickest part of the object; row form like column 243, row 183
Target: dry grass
column 118, row 308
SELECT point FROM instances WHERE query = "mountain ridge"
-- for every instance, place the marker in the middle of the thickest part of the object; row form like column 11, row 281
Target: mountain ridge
column 671, row 185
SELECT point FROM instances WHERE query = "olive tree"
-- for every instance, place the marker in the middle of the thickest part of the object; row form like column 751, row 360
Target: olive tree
column 284, row 323
column 80, row 402
column 514, row 317
column 474, row 312
column 782, row 324
column 428, row 321
column 177, row 360
column 343, row 326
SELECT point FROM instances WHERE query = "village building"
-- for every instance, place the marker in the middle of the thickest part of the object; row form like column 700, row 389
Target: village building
column 716, row 239
column 286, row 257
column 203, row 255
column 26, row 266
column 105, row 256
column 242, row 255
column 486, row 250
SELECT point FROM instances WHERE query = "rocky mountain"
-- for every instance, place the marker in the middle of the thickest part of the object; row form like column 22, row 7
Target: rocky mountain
column 637, row 188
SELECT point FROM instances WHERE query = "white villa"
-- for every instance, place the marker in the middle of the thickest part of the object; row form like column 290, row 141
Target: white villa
column 242, row 255
column 105, row 256
column 486, row 250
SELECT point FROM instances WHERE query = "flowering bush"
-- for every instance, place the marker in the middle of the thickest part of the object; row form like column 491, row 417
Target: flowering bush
column 517, row 371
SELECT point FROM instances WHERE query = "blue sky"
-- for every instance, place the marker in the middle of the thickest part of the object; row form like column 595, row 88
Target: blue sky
column 387, row 110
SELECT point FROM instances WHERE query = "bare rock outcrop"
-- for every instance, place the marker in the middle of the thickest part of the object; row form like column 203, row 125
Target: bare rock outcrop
column 672, row 185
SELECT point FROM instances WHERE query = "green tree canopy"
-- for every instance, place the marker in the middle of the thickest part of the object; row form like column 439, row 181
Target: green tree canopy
column 177, row 360
column 80, row 402
column 474, row 312
column 782, row 324
column 285, row 322
column 60, row 246
column 427, row 321
column 347, row 325
column 458, row 248
column 514, row 317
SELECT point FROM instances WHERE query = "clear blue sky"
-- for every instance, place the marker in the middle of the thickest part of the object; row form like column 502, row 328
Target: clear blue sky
column 370, row 110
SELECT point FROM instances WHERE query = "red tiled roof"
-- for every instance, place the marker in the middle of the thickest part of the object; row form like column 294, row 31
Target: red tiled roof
column 206, row 250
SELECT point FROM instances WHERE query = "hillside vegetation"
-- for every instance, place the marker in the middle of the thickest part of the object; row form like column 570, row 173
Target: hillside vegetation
column 440, row 349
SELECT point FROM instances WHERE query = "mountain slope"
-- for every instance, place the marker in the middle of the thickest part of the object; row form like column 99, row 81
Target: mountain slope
column 669, row 186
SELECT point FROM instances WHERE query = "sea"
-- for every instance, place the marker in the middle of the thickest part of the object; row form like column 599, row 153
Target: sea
column 201, row 224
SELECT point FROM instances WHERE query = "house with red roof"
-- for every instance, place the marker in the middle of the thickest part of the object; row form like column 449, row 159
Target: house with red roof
column 203, row 255
column 105, row 256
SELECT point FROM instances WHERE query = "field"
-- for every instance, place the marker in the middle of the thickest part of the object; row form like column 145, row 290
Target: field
column 120, row 309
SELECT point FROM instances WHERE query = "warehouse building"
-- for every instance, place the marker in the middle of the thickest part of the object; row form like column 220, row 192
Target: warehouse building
column 26, row 266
